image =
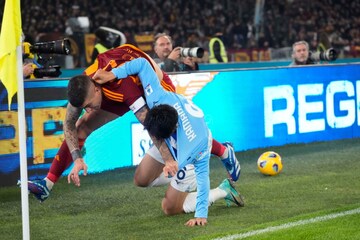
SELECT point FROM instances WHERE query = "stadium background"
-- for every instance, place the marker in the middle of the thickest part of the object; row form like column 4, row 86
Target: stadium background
column 255, row 38
column 253, row 30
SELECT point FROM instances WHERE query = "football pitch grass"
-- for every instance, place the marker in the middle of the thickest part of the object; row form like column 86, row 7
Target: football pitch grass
column 317, row 196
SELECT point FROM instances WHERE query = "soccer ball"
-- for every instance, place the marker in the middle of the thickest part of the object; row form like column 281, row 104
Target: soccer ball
column 269, row 163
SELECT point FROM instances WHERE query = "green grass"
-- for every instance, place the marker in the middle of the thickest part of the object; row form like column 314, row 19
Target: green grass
column 317, row 179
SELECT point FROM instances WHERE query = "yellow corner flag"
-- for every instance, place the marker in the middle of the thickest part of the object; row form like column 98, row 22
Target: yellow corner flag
column 9, row 40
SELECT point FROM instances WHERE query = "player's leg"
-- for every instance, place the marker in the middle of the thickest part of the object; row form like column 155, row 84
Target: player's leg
column 85, row 125
column 226, row 190
column 217, row 148
column 180, row 186
column 88, row 123
column 228, row 158
column 181, row 198
column 149, row 173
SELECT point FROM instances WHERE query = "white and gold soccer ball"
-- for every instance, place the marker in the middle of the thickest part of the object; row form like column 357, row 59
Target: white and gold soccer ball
column 269, row 163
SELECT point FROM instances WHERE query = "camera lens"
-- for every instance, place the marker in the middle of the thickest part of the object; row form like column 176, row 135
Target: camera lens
column 58, row 46
column 197, row 52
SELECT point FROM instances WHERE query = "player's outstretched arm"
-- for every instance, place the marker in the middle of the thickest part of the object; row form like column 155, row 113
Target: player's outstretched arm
column 142, row 68
column 72, row 140
column 171, row 166
column 101, row 76
column 70, row 132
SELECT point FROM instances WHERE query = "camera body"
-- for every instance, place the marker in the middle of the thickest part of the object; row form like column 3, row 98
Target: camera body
column 327, row 55
column 43, row 68
column 197, row 52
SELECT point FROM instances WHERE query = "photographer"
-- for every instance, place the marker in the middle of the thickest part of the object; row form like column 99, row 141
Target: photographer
column 102, row 44
column 302, row 56
column 170, row 59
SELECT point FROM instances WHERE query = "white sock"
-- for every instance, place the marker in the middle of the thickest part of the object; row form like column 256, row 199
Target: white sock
column 189, row 204
column 215, row 194
column 160, row 181
column 49, row 183
column 225, row 154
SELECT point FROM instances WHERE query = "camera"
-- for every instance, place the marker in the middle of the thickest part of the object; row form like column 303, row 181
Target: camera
column 55, row 47
column 197, row 52
column 328, row 55
column 43, row 67
column 52, row 71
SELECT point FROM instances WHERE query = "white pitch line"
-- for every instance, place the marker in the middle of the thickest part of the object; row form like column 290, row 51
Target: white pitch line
column 290, row 225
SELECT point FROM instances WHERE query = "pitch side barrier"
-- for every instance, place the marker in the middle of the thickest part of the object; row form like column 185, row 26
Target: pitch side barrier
column 253, row 108
column 261, row 64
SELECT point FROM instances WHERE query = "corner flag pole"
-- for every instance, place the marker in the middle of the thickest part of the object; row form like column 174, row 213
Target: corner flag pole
column 22, row 144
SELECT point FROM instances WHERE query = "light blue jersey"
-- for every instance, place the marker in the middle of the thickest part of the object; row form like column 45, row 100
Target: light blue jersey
column 192, row 143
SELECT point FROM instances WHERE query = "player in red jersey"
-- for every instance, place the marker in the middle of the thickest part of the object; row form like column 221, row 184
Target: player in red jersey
column 118, row 98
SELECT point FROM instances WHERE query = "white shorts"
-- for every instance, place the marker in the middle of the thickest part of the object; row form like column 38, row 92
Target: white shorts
column 185, row 179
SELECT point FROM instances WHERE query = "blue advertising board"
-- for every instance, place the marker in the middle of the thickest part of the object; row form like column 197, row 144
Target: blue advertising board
column 277, row 106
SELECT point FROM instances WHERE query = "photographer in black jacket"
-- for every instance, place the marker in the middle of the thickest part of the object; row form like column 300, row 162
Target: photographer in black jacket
column 170, row 59
column 302, row 56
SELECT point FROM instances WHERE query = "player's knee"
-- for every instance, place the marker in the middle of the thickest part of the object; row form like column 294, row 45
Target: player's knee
column 169, row 208
column 139, row 181
column 166, row 208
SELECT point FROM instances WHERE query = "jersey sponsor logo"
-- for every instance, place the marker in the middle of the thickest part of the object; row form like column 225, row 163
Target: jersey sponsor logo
column 201, row 155
column 148, row 90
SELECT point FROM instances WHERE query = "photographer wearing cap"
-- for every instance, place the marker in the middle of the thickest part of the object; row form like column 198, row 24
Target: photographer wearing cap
column 302, row 56
column 175, row 59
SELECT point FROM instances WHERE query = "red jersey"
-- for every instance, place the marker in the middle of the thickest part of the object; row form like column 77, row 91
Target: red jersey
column 120, row 94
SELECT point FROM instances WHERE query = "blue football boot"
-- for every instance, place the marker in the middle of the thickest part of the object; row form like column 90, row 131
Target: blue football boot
column 231, row 163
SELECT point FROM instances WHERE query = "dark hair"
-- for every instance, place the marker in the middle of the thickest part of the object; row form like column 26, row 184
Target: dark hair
column 77, row 89
column 161, row 121
column 101, row 34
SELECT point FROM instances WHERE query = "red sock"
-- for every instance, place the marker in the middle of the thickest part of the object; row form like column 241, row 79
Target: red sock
column 61, row 161
column 217, row 148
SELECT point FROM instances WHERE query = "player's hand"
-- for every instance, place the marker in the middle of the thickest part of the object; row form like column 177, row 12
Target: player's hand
column 73, row 176
column 175, row 54
column 196, row 221
column 190, row 62
column 28, row 69
column 101, row 76
column 171, row 168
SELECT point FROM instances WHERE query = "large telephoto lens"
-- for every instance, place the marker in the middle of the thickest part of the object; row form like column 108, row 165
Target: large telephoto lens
column 55, row 47
column 197, row 52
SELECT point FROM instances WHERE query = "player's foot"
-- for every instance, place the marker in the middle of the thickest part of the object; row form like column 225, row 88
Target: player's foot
column 39, row 189
column 231, row 163
column 232, row 196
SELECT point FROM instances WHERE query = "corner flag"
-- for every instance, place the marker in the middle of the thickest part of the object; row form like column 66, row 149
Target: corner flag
column 10, row 39
column 11, row 75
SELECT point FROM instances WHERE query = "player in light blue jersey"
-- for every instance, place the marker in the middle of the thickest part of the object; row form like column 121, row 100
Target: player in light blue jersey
column 189, row 144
